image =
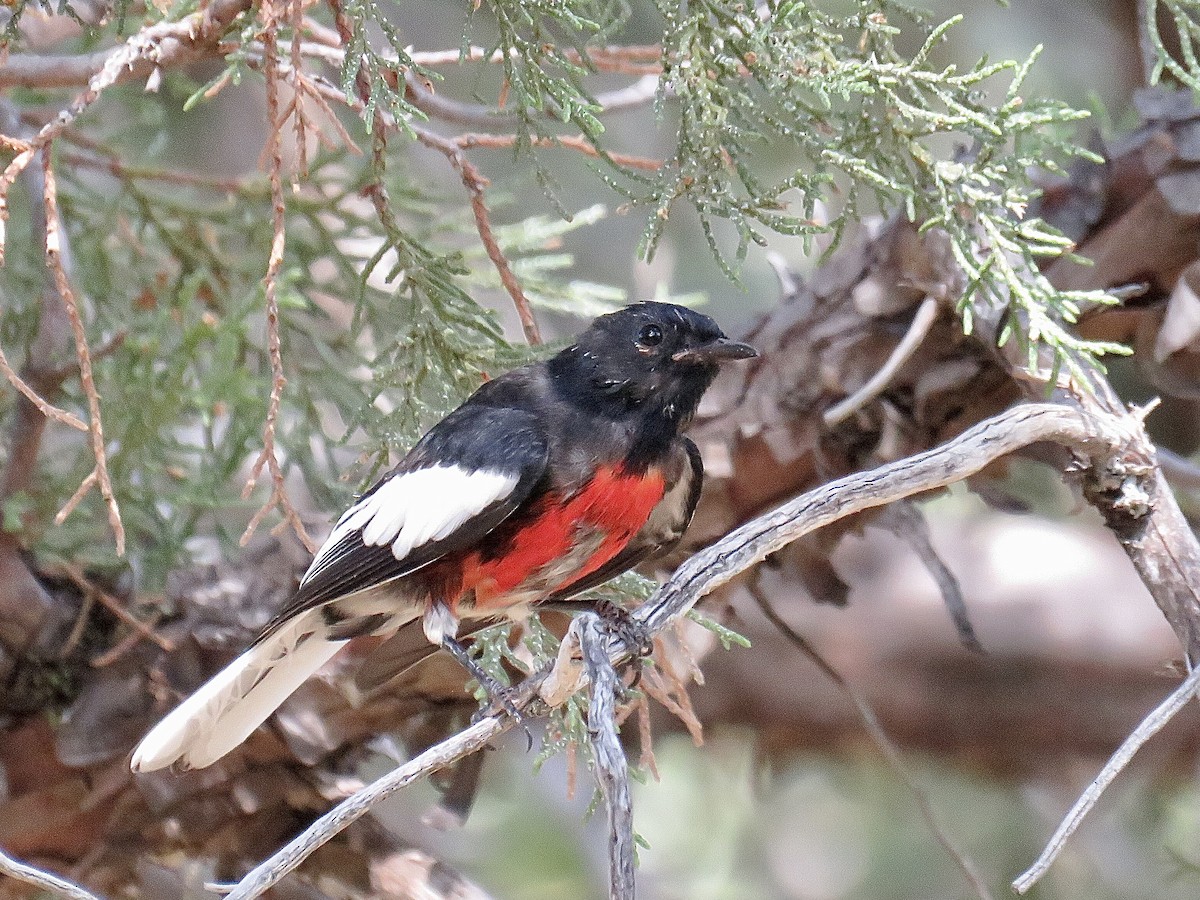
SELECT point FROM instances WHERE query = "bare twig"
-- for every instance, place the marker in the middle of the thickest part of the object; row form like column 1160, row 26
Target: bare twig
column 1150, row 726
column 154, row 47
column 907, row 522
column 612, row 771
column 917, row 331
column 475, row 184
column 470, row 739
column 269, row 457
column 54, row 259
column 1096, row 437
column 144, row 630
column 60, row 887
column 49, row 410
column 880, row 738
column 113, row 605
column 570, row 142
column 632, row 96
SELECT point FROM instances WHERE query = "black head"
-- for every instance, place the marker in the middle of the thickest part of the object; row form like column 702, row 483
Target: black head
column 655, row 359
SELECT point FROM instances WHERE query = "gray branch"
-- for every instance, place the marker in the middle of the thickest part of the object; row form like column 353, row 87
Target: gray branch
column 612, row 770
column 1099, row 437
column 60, row 887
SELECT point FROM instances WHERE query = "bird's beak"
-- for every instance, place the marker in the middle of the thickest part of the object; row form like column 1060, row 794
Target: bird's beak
column 718, row 351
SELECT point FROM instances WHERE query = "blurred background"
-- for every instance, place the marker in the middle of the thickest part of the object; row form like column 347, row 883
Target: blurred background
column 787, row 797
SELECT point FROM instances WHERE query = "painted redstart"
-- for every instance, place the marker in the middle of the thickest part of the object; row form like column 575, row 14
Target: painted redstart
column 547, row 481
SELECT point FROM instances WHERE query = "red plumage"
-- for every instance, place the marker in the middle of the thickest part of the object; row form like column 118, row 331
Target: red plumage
column 549, row 480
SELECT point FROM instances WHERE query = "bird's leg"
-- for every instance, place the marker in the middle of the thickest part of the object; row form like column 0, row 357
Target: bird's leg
column 499, row 697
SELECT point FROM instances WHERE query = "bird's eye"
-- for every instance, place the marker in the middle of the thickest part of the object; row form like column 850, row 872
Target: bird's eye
column 650, row 336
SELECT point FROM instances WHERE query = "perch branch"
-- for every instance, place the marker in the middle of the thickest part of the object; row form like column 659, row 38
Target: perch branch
column 1150, row 726
column 612, row 771
column 1097, row 437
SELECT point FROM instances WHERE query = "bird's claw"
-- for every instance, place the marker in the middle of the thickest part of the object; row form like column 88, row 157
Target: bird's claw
column 502, row 699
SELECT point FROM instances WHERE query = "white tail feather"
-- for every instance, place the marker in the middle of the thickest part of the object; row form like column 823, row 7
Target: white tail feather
column 239, row 698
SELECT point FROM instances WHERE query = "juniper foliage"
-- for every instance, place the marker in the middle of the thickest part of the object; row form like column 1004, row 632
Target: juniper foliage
column 388, row 324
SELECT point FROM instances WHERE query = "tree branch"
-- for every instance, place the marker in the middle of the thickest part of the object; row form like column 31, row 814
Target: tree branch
column 1150, row 726
column 154, row 47
column 1096, row 437
column 475, row 184
column 14, row 868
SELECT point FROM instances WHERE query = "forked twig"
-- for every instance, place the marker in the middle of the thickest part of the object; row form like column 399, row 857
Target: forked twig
column 63, row 284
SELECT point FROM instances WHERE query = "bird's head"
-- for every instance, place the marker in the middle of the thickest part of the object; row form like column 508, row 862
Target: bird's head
column 657, row 358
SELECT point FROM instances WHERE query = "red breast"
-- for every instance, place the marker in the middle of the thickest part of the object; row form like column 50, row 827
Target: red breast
column 606, row 513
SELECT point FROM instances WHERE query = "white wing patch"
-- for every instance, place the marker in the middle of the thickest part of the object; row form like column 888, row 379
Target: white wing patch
column 414, row 508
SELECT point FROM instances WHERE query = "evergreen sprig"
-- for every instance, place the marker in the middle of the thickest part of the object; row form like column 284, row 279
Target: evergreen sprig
column 1185, row 14
column 865, row 121
column 792, row 116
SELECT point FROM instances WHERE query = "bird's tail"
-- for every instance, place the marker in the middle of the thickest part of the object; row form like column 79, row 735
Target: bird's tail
column 239, row 698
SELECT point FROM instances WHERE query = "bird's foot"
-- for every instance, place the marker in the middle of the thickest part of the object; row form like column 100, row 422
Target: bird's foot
column 632, row 632
column 499, row 697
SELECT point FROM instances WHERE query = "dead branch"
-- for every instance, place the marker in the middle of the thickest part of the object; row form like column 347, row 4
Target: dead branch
column 269, row 457
column 55, row 260
column 465, row 742
column 1094, row 437
column 612, row 770
column 1150, row 726
column 47, row 882
column 152, row 48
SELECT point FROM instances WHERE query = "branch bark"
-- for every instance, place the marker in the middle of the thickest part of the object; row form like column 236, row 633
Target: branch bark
column 1096, row 438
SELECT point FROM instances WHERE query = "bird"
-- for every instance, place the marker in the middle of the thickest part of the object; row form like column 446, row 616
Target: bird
column 547, row 481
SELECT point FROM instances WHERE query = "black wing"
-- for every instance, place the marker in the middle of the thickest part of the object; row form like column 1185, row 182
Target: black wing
column 465, row 477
